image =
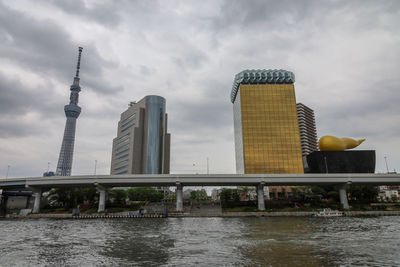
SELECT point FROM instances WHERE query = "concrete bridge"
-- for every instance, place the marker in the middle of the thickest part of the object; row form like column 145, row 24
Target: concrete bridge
column 103, row 182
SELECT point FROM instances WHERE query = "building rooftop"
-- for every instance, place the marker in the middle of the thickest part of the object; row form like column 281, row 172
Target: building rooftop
column 260, row 77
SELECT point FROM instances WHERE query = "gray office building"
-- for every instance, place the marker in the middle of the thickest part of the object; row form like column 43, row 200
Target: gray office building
column 142, row 145
column 308, row 130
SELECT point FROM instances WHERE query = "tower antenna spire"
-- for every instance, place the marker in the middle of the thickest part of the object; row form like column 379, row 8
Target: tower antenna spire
column 78, row 65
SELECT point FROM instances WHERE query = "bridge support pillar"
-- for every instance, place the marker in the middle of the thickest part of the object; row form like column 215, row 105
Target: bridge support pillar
column 102, row 197
column 260, row 196
column 179, row 197
column 266, row 192
column 38, row 198
column 343, row 197
column 102, row 200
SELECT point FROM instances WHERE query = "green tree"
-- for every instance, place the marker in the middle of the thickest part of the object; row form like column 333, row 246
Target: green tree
column 118, row 196
column 72, row 197
column 90, row 195
column 299, row 192
column 171, row 196
column 244, row 191
column 333, row 195
column 199, row 195
column 144, row 194
column 202, row 194
column 229, row 195
column 193, row 195
column 363, row 193
column 59, row 197
column 317, row 190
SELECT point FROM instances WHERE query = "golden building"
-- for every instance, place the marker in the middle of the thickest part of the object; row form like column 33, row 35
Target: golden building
column 267, row 137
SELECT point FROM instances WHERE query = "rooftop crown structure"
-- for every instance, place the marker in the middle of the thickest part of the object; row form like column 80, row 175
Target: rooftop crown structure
column 72, row 111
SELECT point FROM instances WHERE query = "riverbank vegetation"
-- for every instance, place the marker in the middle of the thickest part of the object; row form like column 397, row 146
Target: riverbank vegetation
column 303, row 199
column 244, row 199
column 86, row 199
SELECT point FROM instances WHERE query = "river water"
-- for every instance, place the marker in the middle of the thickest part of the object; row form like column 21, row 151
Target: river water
column 279, row 241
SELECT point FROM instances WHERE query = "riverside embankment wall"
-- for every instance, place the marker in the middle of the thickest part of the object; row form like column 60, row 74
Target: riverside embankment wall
column 211, row 214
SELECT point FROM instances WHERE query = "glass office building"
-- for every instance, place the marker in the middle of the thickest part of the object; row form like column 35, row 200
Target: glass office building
column 142, row 145
column 267, row 138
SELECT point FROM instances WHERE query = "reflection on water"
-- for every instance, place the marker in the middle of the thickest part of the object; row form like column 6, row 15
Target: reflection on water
column 202, row 242
column 138, row 241
column 276, row 241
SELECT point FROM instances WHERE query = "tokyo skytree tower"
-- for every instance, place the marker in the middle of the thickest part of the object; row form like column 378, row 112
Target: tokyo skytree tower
column 72, row 111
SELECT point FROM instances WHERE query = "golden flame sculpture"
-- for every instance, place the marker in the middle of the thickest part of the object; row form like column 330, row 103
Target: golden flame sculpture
column 329, row 142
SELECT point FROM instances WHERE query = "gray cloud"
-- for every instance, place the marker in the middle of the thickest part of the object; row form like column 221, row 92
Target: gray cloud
column 17, row 101
column 12, row 103
column 201, row 119
column 101, row 12
column 190, row 57
column 44, row 47
column 212, row 112
column 295, row 14
column 15, row 128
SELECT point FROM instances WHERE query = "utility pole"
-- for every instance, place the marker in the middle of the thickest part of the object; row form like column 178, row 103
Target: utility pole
column 208, row 169
column 48, row 166
column 8, row 169
column 95, row 166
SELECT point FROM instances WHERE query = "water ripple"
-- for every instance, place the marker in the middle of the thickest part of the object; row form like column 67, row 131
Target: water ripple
column 201, row 242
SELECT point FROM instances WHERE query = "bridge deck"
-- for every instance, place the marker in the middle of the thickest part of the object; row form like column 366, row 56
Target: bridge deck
column 201, row 180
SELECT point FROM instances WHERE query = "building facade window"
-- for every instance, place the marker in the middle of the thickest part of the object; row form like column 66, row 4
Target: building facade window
column 122, row 152
column 123, row 156
column 120, row 168
column 122, row 147
column 130, row 117
column 121, row 162
column 127, row 128
column 128, row 122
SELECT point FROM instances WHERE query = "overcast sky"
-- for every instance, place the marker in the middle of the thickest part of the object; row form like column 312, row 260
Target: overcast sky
column 345, row 55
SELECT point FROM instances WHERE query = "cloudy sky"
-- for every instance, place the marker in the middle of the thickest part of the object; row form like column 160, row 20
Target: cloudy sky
column 345, row 55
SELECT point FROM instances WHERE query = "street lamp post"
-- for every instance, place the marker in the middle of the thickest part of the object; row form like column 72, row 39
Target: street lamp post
column 95, row 166
column 8, row 169
column 208, row 169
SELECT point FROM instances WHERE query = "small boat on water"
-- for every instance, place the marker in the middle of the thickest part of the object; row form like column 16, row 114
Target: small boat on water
column 328, row 213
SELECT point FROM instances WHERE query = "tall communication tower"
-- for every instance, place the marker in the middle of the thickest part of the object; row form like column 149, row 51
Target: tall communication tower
column 72, row 111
